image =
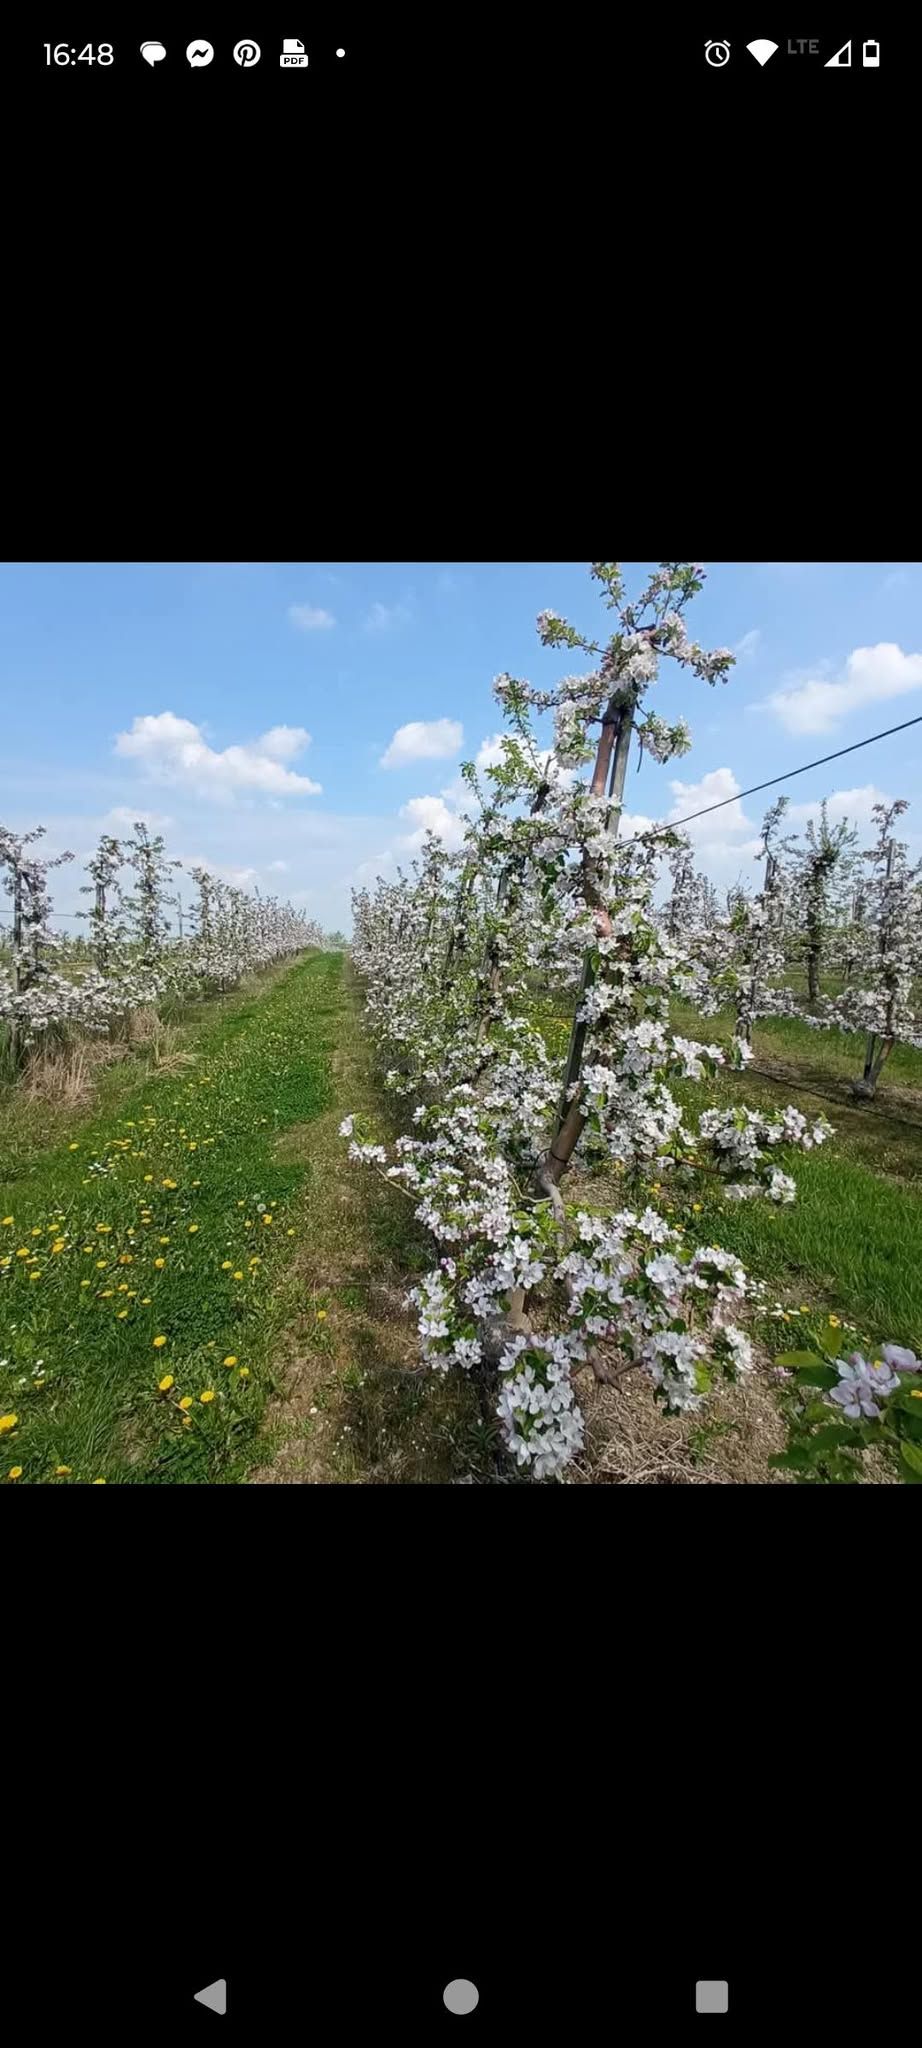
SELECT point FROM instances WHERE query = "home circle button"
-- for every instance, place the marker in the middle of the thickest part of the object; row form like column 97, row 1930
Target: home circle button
column 461, row 1995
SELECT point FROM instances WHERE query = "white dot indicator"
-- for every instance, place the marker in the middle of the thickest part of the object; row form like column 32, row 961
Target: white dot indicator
column 340, row 53
column 461, row 1995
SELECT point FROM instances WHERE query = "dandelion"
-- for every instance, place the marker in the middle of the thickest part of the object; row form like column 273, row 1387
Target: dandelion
column 192, row 1229
column 159, row 1343
column 289, row 1233
column 9, row 1219
column 104, row 1229
column 15, row 1471
column 148, row 1176
column 121, row 1315
column 159, row 1263
column 835, row 1322
column 164, row 1240
column 165, row 1384
column 85, row 1283
column 321, row 1315
column 7, row 1422
column 244, row 1374
column 58, row 1245
column 186, row 1401
column 238, row 1276
column 168, row 1183
column 208, row 1395
column 230, row 1361
column 75, row 1147
column 62, row 1471
column 99, row 1482
column 268, row 1219
column 226, row 1265
column 101, row 1265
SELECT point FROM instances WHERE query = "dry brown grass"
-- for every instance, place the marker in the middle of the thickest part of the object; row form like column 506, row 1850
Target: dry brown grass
column 630, row 1441
column 59, row 1074
column 166, row 1053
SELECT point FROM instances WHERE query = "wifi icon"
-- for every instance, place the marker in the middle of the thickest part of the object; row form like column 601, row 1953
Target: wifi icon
column 761, row 50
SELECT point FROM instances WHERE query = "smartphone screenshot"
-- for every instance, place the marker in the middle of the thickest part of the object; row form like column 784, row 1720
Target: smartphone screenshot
column 460, row 1022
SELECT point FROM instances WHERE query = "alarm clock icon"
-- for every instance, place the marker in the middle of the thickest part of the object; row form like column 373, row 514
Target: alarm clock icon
column 717, row 54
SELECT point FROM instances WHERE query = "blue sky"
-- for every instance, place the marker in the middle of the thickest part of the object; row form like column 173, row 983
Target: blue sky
column 185, row 693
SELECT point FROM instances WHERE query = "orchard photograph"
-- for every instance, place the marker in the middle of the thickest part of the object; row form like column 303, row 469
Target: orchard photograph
column 461, row 1024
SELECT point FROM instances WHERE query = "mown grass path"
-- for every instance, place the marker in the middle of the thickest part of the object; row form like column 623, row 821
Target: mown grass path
column 141, row 1253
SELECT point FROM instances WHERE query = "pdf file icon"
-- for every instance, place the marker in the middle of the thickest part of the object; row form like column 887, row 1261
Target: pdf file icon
column 293, row 53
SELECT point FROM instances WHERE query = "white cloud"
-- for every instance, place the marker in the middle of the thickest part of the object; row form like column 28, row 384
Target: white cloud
column 854, row 804
column 490, row 752
column 310, row 618
column 434, row 740
column 872, row 675
column 898, row 579
column 174, row 750
column 431, row 814
column 277, row 867
column 714, row 788
column 749, row 644
column 124, row 817
column 383, row 617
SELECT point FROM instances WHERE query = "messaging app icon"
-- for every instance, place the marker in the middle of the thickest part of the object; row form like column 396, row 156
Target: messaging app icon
column 153, row 53
column 199, row 53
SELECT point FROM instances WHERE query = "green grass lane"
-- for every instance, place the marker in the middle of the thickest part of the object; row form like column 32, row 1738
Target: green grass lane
column 147, row 1247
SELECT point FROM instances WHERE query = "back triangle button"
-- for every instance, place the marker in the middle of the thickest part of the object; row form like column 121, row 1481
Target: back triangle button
column 214, row 1995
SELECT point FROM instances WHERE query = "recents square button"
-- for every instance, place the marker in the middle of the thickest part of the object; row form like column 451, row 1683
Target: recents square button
column 712, row 1994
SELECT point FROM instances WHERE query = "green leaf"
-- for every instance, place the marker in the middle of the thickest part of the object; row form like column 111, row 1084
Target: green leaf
column 792, row 1359
column 911, row 1461
column 817, row 1375
column 836, row 1436
column 795, row 1460
column 829, row 1339
column 816, row 1411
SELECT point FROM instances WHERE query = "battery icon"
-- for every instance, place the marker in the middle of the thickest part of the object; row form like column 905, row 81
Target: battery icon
column 870, row 56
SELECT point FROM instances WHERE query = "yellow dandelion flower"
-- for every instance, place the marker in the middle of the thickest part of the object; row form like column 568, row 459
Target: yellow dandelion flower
column 164, row 1240
column 99, row 1482
column 86, row 1283
column 159, row 1343
column 23, row 1252
column 36, row 1275
column 289, row 1233
column 805, row 1308
column 159, row 1263
column 58, row 1245
column 104, row 1229
column 148, row 1176
column 835, row 1322
column 145, row 1301
column 166, row 1383
column 15, row 1471
column 268, row 1219
column 208, row 1395
column 62, row 1471
column 696, row 1208
column 915, row 1393
column 186, row 1401
column 321, row 1315
column 238, row 1276
column 231, row 1360
column 168, row 1183
column 192, row 1229
column 7, row 1422
column 121, row 1315
column 244, row 1372
column 74, row 1148
column 9, row 1219
column 101, row 1265
column 105, row 1293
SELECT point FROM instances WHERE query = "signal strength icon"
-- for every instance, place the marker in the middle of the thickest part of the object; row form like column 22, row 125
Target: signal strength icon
column 841, row 60
column 761, row 50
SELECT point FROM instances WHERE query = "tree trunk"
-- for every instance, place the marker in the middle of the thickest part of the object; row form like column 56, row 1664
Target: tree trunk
column 614, row 749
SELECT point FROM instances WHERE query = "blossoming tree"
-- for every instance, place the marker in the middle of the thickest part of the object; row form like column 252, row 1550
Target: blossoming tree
column 529, row 1288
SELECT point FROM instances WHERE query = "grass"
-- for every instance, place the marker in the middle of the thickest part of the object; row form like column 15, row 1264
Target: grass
column 355, row 1406
column 146, row 1220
